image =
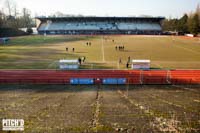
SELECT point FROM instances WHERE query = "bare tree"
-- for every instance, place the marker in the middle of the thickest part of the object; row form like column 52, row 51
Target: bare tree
column 198, row 9
column 26, row 17
column 8, row 6
column 15, row 11
column 1, row 19
column 59, row 14
column 198, row 12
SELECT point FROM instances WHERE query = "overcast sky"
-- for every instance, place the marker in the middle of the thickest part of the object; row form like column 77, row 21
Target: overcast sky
column 166, row 8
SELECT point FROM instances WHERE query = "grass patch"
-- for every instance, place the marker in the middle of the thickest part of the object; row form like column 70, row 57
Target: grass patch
column 164, row 52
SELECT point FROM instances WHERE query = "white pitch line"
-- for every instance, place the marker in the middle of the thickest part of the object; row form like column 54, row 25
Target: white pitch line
column 164, row 125
column 157, row 64
column 195, row 100
column 102, row 48
column 52, row 64
column 185, row 88
column 187, row 49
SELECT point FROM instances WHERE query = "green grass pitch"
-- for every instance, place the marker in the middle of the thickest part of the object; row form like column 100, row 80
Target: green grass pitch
column 43, row 52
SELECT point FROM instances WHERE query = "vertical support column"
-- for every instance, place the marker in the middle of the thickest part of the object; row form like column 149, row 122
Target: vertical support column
column 168, row 77
column 141, row 76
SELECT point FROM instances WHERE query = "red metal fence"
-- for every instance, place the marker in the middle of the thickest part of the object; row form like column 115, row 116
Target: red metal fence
column 132, row 76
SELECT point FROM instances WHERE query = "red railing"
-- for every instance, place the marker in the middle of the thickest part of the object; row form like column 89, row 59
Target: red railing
column 132, row 76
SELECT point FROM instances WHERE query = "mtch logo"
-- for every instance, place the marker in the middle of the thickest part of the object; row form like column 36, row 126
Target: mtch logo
column 13, row 124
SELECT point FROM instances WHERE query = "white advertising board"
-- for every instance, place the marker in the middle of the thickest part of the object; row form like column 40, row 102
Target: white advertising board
column 68, row 64
column 140, row 64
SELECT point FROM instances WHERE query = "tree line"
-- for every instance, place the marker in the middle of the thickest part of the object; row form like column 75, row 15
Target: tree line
column 188, row 23
column 11, row 17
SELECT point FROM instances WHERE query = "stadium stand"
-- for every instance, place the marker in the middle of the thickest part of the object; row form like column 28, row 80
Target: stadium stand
column 100, row 25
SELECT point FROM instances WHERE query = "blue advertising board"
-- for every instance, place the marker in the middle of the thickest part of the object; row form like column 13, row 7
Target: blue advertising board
column 81, row 81
column 114, row 81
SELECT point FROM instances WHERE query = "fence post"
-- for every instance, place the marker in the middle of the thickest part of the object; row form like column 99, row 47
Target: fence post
column 141, row 76
column 168, row 77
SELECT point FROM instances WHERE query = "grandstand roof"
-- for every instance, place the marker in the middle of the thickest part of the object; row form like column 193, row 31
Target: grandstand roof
column 100, row 18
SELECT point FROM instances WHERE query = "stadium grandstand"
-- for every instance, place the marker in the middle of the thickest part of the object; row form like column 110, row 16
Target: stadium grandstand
column 100, row 25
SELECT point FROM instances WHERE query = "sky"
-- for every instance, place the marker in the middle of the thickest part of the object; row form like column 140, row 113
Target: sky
column 166, row 8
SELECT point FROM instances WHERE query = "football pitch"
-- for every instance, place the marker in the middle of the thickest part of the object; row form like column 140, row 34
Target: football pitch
column 44, row 52
column 101, row 108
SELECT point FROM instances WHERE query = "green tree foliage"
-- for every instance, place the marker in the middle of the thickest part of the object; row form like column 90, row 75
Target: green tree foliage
column 186, row 24
column 193, row 24
column 170, row 25
column 179, row 25
column 198, row 12
column 182, row 24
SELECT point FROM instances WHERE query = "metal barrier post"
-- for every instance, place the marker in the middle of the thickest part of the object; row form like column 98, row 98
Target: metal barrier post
column 141, row 76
